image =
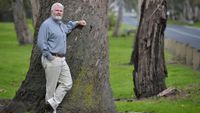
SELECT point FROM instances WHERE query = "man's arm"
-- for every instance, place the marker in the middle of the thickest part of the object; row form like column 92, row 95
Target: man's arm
column 72, row 24
column 42, row 42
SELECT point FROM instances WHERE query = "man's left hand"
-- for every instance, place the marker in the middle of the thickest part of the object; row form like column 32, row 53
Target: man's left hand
column 82, row 22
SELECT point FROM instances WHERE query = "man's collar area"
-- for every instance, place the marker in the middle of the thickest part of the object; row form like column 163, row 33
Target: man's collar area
column 56, row 21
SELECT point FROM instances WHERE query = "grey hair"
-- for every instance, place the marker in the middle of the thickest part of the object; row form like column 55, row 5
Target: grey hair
column 57, row 4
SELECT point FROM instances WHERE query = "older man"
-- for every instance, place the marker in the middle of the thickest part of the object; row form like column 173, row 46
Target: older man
column 52, row 42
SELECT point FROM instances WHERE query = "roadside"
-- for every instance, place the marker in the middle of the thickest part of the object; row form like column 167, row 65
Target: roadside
column 192, row 25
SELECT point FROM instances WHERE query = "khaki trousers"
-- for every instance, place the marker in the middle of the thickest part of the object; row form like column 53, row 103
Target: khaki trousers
column 58, row 80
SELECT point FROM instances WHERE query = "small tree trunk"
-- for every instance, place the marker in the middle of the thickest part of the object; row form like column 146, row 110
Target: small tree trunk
column 196, row 13
column 24, row 36
column 149, row 63
column 188, row 13
column 87, row 58
column 116, row 31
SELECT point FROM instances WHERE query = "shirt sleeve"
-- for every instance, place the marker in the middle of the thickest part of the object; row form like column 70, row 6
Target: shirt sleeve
column 42, row 41
column 70, row 26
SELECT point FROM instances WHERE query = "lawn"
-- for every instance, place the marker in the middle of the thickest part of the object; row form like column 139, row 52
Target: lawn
column 14, row 61
column 14, row 64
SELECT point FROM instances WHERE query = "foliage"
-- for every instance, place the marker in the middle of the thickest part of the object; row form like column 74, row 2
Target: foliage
column 184, row 10
column 6, row 10
column 5, row 4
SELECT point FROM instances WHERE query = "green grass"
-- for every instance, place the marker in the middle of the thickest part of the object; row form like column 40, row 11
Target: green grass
column 160, row 106
column 14, row 63
column 120, row 71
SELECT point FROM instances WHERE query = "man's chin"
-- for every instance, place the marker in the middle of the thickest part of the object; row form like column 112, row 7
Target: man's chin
column 57, row 17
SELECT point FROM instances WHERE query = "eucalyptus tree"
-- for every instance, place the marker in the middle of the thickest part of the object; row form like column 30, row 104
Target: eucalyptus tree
column 149, row 63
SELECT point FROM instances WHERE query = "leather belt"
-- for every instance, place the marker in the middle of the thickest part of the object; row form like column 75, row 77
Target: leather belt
column 58, row 55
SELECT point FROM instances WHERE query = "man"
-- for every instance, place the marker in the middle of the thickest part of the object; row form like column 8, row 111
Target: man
column 52, row 42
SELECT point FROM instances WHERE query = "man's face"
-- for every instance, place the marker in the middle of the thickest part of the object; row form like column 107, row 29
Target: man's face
column 57, row 13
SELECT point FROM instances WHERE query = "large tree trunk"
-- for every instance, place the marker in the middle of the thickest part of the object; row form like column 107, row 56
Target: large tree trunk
column 116, row 31
column 139, row 8
column 87, row 58
column 24, row 36
column 35, row 5
column 149, row 63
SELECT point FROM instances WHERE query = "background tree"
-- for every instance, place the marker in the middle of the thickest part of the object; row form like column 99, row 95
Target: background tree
column 120, row 4
column 184, row 10
column 130, row 4
column 35, row 10
column 149, row 63
column 5, row 10
column 87, row 58
column 24, row 35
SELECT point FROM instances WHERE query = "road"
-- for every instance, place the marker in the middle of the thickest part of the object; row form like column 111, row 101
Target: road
column 184, row 34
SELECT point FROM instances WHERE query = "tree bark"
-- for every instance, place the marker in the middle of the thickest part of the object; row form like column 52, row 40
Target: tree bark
column 149, row 63
column 87, row 58
column 139, row 8
column 35, row 10
column 116, row 31
column 24, row 35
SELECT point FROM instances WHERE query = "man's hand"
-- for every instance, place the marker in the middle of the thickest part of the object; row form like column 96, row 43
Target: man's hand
column 82, row 22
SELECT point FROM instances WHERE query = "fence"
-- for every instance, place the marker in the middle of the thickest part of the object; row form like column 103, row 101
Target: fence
column 184, row 53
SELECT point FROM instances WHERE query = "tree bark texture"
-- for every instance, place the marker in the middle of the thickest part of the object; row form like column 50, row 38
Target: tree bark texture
column 87, row 58
column 24, row 35
column 149, row 63
column 139, row 8
column 35, row 5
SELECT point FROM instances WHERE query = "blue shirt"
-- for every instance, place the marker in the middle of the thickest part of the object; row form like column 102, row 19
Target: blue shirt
column 52, row 36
